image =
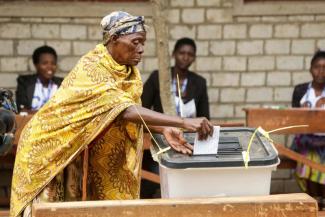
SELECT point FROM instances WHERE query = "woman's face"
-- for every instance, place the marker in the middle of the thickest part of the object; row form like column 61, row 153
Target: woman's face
column 317, row 70
column 46, row 66
column 184, row 56
column 128, row 49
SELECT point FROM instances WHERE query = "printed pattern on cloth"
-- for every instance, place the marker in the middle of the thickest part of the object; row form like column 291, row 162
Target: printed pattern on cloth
column 85, row 106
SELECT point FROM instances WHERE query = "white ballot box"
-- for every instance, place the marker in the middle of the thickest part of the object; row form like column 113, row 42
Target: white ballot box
column 221, row 174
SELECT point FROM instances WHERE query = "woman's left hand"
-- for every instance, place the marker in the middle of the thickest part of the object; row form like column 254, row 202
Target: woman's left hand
column 174, row 137
column 320, row 103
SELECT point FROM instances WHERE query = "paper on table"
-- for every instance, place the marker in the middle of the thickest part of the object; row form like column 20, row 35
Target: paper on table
column 208, row 146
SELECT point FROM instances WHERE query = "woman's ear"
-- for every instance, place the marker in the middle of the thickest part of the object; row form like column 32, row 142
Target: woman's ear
column 114, row 38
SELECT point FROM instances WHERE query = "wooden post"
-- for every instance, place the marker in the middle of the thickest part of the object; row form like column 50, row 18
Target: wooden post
column 289, row 205
column 159, row 21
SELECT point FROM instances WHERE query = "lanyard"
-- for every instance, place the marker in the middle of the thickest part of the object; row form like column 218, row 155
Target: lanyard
column 41, row 94
column 178, row 99
column 183, row 86
column 46, row 92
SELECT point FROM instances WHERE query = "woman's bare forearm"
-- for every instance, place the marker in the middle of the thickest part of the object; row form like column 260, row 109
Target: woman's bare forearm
column 155, row 119
column 156, row 129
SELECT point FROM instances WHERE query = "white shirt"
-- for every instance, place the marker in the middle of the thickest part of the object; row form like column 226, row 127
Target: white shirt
column 310, row 97
column 42, row 94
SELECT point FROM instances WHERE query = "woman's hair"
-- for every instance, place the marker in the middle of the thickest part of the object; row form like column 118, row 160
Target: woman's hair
column 320, row 54
column 43, row 50
column 184, row 41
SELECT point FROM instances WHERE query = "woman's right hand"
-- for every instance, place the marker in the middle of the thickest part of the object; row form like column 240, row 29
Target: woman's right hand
column 200, row 125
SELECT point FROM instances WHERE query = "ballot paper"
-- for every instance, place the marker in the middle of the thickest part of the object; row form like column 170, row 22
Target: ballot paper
column 208, row 146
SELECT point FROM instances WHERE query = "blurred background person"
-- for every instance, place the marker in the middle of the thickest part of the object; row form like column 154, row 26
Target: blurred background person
column 193, row 86
column 195, row 102
column 33, row 91
column 7, row 121
column 312, row 146
column 7, row 130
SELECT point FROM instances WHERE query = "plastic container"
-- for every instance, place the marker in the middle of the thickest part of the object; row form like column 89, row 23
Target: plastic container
column 223, row 174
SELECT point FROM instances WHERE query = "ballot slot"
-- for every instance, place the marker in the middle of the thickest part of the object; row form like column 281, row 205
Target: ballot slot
column 227, row 145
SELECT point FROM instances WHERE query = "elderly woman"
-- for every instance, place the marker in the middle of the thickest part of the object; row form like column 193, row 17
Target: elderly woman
column 97, row 107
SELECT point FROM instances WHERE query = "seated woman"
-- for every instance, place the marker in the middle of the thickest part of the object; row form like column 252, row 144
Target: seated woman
column 33, row 91
column 312, row 95
column 97, row 108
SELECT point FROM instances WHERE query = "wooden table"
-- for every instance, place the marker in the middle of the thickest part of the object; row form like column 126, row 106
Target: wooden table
column 270, row 119
column 289, row 205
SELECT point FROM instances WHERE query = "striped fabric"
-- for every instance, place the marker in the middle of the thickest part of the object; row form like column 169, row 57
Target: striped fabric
column 121, row 23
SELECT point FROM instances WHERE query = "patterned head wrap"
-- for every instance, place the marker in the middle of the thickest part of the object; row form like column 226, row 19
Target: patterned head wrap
column 121, row 23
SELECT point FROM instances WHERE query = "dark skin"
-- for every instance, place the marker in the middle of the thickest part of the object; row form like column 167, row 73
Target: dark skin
column 184, row 57
column 317, row 71
column 128, row 50
column 46, row 67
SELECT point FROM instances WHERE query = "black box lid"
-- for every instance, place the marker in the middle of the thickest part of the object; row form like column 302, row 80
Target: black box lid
column 232, row 142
